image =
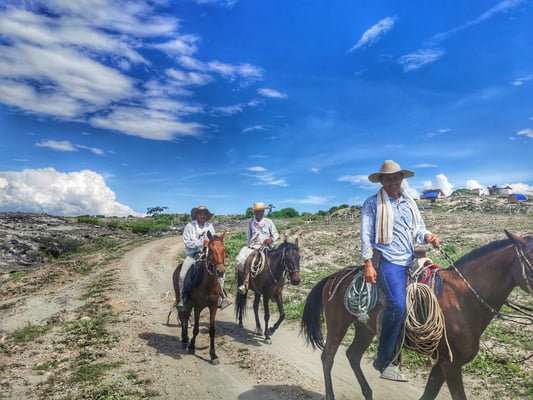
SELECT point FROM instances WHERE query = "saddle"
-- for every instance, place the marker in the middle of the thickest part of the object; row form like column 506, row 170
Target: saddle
column 194, row 277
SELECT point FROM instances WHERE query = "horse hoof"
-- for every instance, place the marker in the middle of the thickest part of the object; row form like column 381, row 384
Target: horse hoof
column 191, row 350
column 215, row 361
column 184, row 345
column 258, row 332
column 268, row 341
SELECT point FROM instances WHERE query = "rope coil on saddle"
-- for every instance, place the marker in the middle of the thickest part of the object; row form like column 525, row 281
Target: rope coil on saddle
column 424, row 322
column 360, row 297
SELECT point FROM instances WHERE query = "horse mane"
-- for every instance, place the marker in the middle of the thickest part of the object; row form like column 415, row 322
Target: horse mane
column 481, row 251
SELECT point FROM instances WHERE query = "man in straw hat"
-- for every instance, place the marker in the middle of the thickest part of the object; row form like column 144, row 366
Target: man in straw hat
column 261, row 232
column 390, row 226
column 195, row 240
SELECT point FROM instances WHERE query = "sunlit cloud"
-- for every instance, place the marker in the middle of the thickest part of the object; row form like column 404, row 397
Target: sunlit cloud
column 526, row 132
column 254, row 128
column 314, row 200
column 49, row 191
column 62, row 145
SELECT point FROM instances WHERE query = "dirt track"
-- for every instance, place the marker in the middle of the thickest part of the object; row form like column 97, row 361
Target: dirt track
column 249, row 368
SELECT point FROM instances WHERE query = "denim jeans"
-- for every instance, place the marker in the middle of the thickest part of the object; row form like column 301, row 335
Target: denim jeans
column 392, row 280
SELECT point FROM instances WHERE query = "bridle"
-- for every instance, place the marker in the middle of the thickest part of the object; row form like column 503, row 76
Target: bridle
column 526, row 267
column 210, row 263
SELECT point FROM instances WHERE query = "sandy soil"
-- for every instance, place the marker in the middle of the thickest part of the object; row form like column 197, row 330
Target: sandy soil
column 249, row 368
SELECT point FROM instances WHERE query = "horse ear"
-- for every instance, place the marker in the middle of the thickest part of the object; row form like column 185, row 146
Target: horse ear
column 209, row 235
column 296, row 242
column 515, row 238
column 222, row 236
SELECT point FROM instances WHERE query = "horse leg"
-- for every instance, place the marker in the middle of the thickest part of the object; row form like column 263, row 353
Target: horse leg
column 454, row 379
column 266, row 309
column 328, row 355
column 434, row 383
column 281, row 310
column 212, row 353
column 196, row 329
column 258, row 329
column 362, row 339
column 184, row 318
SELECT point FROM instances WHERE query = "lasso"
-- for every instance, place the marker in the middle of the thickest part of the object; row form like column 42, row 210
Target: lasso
column 424, row 322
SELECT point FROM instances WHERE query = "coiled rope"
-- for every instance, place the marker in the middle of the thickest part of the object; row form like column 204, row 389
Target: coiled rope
column 424, row 323
column 360, row 297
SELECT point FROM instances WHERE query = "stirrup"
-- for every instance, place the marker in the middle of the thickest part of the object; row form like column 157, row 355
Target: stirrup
column 242, row 289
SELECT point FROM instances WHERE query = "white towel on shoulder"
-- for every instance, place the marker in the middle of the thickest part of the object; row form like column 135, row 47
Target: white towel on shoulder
column 385, row 217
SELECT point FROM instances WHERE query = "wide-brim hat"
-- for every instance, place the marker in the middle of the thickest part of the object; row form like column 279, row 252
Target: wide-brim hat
column 389, row 167
column 261, row 206
column 195, row 211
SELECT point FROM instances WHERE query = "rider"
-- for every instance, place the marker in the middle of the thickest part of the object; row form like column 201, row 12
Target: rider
column 195, row 240
column 261, row 232
column 390, row 224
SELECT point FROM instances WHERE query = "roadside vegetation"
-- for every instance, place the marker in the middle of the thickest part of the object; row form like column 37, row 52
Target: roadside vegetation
column 504, row 361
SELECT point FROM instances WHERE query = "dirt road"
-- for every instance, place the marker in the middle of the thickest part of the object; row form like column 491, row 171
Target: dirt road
column 249, row 368
column 150, row 350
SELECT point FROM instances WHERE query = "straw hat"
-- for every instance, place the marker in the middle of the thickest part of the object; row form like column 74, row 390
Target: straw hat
column 195, row 211
column 261, row 206
column 389, row 167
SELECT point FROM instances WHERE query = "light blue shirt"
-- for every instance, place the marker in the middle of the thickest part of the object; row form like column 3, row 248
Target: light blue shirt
column 401, row 250
column 194, row 236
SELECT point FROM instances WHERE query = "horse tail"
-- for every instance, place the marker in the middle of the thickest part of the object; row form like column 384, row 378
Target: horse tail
column 311, row 325
column 240, row 305
column 176, row 281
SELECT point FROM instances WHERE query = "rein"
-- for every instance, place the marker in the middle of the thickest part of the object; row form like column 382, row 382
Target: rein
column 509, row 317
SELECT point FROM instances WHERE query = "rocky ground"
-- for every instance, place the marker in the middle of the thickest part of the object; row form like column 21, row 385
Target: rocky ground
column 144, row 351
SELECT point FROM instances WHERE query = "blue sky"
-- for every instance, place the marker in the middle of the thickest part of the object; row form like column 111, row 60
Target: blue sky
column 113, row 107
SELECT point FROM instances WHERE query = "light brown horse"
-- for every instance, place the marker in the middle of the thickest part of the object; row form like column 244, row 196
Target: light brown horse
column 474, row 289
column 204, row 291
column 281, row 264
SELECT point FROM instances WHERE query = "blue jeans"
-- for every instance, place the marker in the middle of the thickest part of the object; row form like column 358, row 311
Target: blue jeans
column 392, row 280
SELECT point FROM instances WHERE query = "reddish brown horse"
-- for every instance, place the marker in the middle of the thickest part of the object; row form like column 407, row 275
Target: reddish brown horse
column 474, row 289
column 282, row 263
column 204, row 289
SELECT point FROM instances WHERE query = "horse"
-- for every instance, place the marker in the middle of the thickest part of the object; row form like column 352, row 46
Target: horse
column 473, row 291
column 204, row 292
column 280, row 262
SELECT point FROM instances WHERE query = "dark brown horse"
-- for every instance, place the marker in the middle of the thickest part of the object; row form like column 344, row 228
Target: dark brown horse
column 474, row 289
column 282, row 262
column 204, row 292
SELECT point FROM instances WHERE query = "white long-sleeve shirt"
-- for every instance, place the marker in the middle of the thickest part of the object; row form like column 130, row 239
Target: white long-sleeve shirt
column 258, row 231
column 194, row 236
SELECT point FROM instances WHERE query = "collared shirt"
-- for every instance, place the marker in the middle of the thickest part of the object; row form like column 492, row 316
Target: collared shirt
column 258, row 231
column 194, row 236
column 401, row 250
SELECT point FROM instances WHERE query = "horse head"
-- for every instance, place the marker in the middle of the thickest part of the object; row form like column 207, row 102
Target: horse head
column 216, row 252
column 291, row 260
column 524, row 254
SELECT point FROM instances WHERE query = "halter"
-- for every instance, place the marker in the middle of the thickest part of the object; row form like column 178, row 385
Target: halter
column 210, row 263
column 526, row 266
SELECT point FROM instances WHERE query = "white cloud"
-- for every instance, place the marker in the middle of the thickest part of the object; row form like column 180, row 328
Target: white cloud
column 315, row 170
column 63, row 145
column 522, row 188
column 274, row 94
column 521, row 81
column 419, row 58
column 314, row 200
column 71, row 60
column 256, row 169
column 59, row 193
column 374, row 33
column 261, row 175
column 441, row 183
column 473, row 184
column 526, row 132
column 254, row 128
column 410, row 190
column 354, row 179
